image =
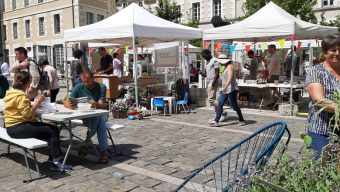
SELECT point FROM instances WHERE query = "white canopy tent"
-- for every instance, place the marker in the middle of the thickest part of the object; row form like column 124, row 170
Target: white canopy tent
column 270, row 23
column 132, row 26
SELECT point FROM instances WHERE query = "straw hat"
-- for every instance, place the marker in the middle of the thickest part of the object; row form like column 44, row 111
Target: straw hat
column 223, row 59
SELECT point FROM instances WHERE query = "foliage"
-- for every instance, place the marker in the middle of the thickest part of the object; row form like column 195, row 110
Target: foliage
column 333, row 23
column 301, row 173
column 168, row 11
column 194, row 23
column 304, row 172
column 120, row 105
column 298, row 8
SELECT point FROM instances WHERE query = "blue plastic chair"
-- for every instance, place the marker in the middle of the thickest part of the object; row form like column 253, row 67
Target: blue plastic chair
column 228, row 170
column 183, row 103
column 159, row 102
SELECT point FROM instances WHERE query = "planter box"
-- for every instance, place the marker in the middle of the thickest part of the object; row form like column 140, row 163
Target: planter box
column 119, row 114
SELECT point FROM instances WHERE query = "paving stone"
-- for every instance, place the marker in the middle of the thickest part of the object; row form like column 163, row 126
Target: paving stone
column 147, row 146
column 139, row 163
column 143, row 189
column 136, row 178
column 165, row 187
column 149, row 182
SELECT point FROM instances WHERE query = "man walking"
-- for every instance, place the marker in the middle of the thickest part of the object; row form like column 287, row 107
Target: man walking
column 27, row 64
column 212, row 75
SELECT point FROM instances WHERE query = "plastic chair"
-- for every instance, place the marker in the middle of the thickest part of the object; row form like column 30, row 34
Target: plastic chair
column 159, row 102
column 183, row 102
column 228, row 170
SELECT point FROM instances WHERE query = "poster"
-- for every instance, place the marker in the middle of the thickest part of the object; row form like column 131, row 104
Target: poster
column 166, row 54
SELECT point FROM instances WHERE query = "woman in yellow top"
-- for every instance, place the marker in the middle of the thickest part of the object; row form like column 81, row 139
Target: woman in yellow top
column 20, row 120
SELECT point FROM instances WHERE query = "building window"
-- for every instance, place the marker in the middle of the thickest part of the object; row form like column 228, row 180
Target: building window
column 14, row 4
column 217, row 7
column 100, row 17
column 59, row 58
column 15, row 30
column 4, row 34
column 89, row 18
column 196, row 11
column 56, row 24
column 328, row 2
column 28, row 28
column 26, row 3
column 178, row 9
column 41, row 26
column 40, row 1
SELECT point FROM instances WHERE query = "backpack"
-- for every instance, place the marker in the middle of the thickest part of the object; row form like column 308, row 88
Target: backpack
column 44, row 82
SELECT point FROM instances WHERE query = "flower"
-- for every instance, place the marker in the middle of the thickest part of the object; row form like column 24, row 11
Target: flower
column 120, row 105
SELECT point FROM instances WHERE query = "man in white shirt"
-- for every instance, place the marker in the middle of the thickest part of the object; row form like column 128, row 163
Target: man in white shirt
column 4, row 66
column 4, row 85
column 273, row 63
column 212, row 75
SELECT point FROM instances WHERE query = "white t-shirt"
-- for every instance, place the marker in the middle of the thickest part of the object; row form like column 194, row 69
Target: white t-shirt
column 210, row 68
column 271, row 60
column 53, row 76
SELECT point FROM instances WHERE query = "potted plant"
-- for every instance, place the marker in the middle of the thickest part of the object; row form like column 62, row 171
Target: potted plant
column 119, row 109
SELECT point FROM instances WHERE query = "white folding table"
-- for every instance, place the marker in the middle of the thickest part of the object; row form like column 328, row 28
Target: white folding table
column 66, row 115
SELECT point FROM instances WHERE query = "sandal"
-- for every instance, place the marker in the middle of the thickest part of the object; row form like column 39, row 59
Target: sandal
column 104, row 157
column 83, row 150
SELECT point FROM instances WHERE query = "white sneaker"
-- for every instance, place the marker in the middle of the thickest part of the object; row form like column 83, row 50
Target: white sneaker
column 223, row 118
column 241, row 123
column 213, row 123
column 225, row 113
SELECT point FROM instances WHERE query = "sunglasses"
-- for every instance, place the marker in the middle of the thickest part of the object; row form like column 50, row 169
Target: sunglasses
column 334, row 50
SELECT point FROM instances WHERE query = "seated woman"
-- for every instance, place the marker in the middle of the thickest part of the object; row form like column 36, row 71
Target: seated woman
column 20, row 119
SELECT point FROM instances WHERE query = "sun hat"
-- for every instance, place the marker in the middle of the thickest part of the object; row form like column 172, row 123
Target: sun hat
column 223, row 59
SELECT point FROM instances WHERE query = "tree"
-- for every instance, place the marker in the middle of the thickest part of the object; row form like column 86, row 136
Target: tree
column 168, row 11
column 333, row 23
column 298, row 8
column 194, row 23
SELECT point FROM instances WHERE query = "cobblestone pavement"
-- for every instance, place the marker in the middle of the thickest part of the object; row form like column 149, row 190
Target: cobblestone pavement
column 157, row 153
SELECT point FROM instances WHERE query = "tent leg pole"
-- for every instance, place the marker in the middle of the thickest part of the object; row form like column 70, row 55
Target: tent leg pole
column 135, row 69
column 291, row 77
column 66, row 70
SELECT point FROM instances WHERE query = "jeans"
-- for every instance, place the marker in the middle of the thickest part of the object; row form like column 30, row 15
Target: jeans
column 98, row 125
column 318, row 142
column 232, row 97
column 54, row 94
column 75, row 81
column 38, row 130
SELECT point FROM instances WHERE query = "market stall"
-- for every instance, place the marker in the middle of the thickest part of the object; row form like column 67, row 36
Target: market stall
column 270, row 23
column 132, row 26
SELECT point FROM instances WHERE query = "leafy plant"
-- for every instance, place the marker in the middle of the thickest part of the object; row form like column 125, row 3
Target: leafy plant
column 168, row 11
column 301, row 173
column 120, row 105
column 304, row 172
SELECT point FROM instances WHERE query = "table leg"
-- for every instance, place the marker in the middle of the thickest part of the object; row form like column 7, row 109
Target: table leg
column 70, row 144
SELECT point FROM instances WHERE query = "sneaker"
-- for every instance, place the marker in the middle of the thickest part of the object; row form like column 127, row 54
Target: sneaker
column 241, row 123
column 58, row 166
column 223, row 118
column 225, row 113
column 213, row 123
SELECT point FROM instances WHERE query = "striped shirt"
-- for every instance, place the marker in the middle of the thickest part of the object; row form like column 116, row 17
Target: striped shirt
column 321, row 123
